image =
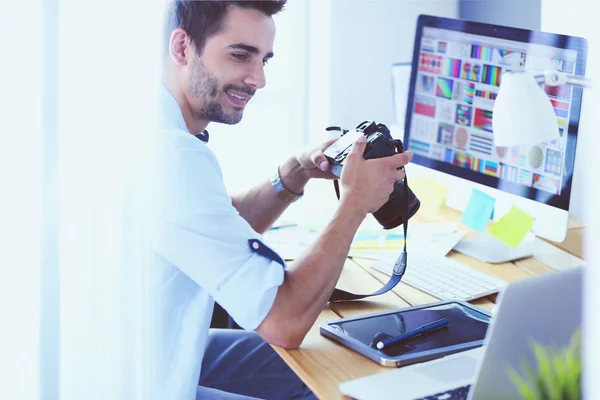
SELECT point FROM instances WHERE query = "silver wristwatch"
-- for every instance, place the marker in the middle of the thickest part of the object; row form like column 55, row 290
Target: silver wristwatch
column 282, row 192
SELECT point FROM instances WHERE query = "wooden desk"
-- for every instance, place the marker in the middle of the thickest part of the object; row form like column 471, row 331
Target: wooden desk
column 323, row 365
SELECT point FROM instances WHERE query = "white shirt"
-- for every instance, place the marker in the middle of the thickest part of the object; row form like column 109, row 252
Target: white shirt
column 204, row 255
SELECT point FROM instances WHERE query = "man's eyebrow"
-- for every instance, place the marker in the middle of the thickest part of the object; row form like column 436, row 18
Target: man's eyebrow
column 249, row 49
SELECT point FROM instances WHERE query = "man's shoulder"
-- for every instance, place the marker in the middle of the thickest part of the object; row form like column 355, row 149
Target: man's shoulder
column 175, row 139
column 184, row 154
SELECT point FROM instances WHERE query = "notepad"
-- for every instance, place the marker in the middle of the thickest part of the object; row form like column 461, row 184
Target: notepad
column 479, row 211
column 431, row 194
column 512, row 227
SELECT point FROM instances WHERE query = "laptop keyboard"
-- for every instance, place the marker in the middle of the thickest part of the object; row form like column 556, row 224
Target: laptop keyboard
column 454, row 394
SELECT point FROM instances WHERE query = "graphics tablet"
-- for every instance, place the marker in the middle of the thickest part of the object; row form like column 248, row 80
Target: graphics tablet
column 466, row 329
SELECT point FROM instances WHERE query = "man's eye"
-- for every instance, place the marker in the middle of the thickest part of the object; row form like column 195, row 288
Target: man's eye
column 240, row 56
column 265, row 61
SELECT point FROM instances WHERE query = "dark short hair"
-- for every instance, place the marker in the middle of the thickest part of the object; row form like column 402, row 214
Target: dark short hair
column 203, row 19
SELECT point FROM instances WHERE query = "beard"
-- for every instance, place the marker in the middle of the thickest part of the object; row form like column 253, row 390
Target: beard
column 204, row 86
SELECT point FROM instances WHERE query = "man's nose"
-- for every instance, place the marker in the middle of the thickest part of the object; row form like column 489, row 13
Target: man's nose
column 256, row 76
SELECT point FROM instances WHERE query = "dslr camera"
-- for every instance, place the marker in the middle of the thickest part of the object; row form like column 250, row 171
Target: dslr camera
column 403, row 203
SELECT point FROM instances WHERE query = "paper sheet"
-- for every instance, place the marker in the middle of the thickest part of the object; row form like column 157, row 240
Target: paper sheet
column 432, row 238
column 290, row 241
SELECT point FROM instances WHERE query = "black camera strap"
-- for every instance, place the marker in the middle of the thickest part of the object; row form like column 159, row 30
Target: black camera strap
column 399, row 265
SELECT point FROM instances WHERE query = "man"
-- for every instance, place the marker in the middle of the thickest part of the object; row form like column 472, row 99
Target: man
column 211, row 245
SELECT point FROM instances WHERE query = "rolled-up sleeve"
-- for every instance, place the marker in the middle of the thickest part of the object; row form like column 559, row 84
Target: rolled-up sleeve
column 204, row 236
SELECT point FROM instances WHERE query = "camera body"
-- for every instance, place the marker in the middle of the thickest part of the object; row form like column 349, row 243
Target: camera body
column 402, row 202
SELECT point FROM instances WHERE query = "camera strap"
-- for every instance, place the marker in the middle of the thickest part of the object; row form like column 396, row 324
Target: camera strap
column 399, row 265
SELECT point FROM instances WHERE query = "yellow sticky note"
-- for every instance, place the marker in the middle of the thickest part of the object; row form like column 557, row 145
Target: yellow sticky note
column 512, row 228
column 432, row 195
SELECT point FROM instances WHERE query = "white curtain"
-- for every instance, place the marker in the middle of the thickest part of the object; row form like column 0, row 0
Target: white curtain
column 560, row 17
column 109, row 74
column 78, row 95
column 20, row 197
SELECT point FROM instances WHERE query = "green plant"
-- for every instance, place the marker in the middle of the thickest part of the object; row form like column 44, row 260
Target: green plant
column 558, row 374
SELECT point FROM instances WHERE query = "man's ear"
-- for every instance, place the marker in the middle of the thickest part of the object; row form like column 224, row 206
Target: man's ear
column 179, row 47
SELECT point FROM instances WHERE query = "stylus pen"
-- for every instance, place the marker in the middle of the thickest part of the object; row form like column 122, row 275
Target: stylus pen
column 412, row 333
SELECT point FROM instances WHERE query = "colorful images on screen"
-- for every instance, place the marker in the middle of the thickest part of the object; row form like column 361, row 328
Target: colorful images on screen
column 484, row 94
column 442, row 47
column 452, row 67
column 471, row 71
column 567, row 66
column 483, row 53
column 431, row 63
column 462, row 160
column 481, row 144
column 546, row 183
column 508, row 172
column 425, row 105
column 483, row 119
column 463, row 115
column 428, row 44
column 561, row 109
column 469, row 92
column 445, row 134
column 486, row 167
column 461, row 138
column 437, row 152
column 425, row 84
column 558, row 92
column 418, row 147
column 456, row 85
column 444, row 88
column 553, row 162
column 491, row 75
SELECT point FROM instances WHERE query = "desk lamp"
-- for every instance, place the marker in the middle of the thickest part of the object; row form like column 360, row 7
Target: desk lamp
column 523, row 113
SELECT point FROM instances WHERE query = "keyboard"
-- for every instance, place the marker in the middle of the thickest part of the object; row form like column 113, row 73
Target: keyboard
column 444, row 277
column 454, row 394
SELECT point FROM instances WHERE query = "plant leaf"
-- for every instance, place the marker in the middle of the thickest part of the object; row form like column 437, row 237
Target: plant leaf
column 526, row 391
column 545, row 376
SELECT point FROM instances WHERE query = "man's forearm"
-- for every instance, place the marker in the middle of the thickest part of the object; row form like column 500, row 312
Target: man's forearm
column 260, row 206
column 310, row 280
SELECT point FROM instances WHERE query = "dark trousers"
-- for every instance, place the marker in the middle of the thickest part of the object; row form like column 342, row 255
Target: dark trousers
column 222, row 320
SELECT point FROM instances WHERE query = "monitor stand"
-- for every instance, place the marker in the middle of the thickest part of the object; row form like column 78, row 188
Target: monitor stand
column 488, row 248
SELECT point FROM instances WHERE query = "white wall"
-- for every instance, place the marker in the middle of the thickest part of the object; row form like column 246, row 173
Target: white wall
column 518, row 13
column 366, row 38
column 274, row 123
column 570, row 18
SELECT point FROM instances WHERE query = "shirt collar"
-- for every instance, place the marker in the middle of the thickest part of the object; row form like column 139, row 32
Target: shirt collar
column 172, row 116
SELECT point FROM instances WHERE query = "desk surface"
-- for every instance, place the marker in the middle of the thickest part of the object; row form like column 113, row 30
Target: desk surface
column 323, row 364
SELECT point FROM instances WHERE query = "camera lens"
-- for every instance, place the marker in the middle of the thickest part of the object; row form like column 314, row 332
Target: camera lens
column 391, row 214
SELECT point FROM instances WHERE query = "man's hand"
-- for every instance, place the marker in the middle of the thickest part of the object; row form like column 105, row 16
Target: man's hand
column 369, row 183
column 314, row 162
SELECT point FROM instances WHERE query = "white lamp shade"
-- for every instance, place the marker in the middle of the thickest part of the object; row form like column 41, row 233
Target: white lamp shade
column 523, row 113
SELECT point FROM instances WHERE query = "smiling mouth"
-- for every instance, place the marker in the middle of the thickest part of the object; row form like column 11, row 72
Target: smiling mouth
column 238, row 99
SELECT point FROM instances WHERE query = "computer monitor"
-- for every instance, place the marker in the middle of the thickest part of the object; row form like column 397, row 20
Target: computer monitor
column 456, row 73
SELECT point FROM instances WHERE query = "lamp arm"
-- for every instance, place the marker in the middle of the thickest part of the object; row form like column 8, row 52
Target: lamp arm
column 578, row 81
column 557, row 78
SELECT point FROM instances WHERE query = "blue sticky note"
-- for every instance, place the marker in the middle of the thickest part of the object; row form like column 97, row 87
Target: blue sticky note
column 479, row 211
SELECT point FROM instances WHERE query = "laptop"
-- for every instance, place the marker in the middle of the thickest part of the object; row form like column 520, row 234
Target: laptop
column 546, row 309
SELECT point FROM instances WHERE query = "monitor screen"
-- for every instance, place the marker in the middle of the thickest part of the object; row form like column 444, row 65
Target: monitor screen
column 456, row 73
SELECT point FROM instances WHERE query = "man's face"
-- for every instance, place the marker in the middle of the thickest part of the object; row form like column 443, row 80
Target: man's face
column 223, row 78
